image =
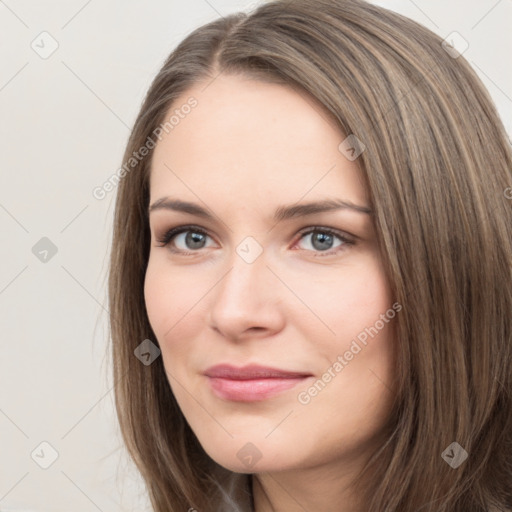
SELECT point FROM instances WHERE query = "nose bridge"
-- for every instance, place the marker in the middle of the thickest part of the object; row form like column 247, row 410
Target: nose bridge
column 244, row 295
column 247, row 275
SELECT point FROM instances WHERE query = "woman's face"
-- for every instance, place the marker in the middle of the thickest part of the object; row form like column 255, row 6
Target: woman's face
column 261, row 279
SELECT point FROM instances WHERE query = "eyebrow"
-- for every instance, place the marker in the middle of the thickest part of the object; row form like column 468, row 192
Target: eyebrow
column 281, row 213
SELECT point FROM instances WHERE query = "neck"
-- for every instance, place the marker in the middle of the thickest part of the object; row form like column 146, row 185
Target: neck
column 324, row 488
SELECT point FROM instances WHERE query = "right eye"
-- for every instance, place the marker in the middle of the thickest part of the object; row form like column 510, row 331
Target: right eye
column 193, row 239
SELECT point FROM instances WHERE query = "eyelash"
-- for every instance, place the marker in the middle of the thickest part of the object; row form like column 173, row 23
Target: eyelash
column 171, row 233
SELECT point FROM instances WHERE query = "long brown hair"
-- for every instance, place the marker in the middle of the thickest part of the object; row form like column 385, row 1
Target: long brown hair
column 438, row 169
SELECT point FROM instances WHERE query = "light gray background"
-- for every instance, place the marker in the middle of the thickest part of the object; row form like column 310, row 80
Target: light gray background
column 64, row 123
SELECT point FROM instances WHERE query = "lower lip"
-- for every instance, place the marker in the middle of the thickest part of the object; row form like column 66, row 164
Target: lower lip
column 251, row 390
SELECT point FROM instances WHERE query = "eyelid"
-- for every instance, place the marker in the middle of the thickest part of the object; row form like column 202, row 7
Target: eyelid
column 344, row 235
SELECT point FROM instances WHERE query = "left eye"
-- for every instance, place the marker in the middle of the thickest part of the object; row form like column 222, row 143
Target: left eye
column 194, row 239
column 321, row 239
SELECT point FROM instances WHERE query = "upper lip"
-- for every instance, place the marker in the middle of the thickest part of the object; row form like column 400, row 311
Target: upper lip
column 252, row 371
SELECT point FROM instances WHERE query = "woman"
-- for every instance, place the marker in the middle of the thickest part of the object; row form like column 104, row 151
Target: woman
column 310, row 282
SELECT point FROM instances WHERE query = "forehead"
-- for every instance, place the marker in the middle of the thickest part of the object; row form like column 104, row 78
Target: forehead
column 251, row 139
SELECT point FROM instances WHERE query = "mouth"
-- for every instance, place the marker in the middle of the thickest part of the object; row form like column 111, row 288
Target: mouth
column 251, row 383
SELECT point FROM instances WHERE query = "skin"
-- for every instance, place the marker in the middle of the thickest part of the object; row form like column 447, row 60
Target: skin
column 245, row 149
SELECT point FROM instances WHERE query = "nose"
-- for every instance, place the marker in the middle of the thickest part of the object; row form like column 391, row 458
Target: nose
column 246, row 301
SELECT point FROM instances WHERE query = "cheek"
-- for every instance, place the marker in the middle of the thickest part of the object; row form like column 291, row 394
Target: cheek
column 370, row 346
column 166, row 298
column 156, row 298
column 346, row 301
column 175, row 303
column 163, row 307
column 370, row 294
column 358, row 308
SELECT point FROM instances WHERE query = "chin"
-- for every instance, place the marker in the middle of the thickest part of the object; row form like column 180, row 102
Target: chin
column 247, row 457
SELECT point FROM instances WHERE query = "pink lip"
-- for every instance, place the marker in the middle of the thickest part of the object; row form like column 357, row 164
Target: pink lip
column 251, row 383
